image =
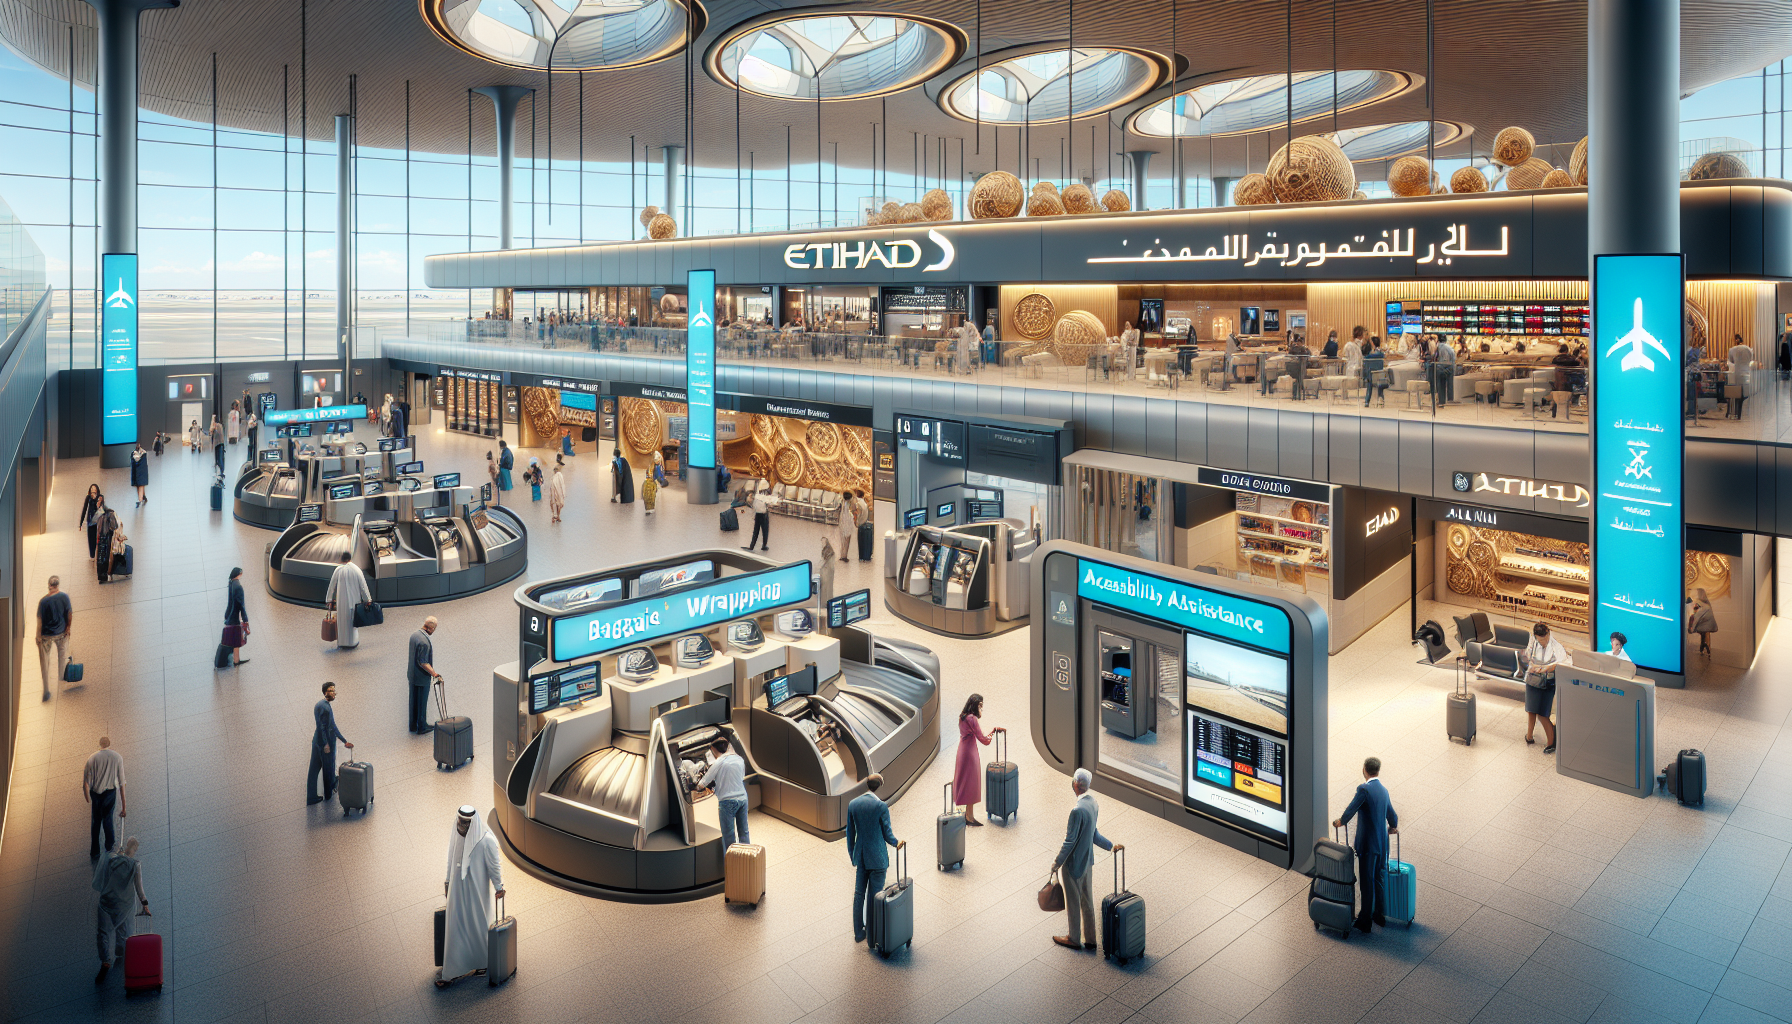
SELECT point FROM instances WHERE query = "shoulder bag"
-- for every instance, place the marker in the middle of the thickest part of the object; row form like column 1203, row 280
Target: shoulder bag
column 1051, row 895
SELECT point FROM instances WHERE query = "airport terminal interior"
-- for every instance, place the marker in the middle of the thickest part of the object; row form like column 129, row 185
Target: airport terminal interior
column 1243, row 416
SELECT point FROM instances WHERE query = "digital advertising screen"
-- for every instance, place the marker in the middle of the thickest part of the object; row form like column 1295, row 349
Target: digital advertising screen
column 118, row 347
column 443, row 481
column 577, row 400
column 582, row 596
column 700, row 369
column 315, row 382
column 983, row 508
column 849, row 608
column 650, row 583
column 189, row 387
column 1236, row 752
column 567, row 686
column 1638, row 445
column 318, row 414
column 645, row 620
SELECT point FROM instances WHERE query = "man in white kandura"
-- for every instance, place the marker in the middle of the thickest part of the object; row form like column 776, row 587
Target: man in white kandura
column 348, row 591
column 473, row 872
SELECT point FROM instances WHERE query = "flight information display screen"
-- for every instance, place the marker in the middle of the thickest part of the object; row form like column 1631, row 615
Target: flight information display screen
column 1235, row 700
column 847, row 609
column 913, row 518
column 340, row 492
column 268, row 455
column 567, row 686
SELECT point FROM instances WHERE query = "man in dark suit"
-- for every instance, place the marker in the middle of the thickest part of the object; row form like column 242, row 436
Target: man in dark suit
column 419, row 670
column 1379, row 822
column 324, row 735
column 868, row 835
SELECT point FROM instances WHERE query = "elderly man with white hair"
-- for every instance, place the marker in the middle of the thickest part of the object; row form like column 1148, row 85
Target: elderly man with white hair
column 1075, row 862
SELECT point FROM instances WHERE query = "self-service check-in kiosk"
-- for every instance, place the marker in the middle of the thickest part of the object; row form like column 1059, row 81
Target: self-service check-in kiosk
column 1193, row 697
column 1605, row 724
column 624, row 679
column 970, row 580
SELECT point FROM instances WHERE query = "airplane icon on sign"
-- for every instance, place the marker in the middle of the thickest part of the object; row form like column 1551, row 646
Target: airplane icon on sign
column 1636, row 338
column 118, row 299
column 702, row 318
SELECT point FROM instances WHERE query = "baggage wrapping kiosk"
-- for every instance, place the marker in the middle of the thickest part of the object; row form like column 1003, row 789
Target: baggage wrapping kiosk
column 625, row 677
column 964, row 581
column 298, row 462
column 414, row 545
column 1194, row 697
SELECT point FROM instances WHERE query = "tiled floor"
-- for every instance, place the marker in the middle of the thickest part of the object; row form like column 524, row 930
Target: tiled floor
column 1540, row 898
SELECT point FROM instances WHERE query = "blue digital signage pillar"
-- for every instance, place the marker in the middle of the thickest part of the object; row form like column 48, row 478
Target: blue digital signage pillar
column 118, row 352
column 1636, row 427
column 700, row 388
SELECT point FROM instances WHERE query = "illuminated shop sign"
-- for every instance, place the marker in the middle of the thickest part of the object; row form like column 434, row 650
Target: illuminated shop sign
column 320, row 414
column 680, row 611
column 1233, row 480
column 1638, row 454
column 1389, row 244
column 895, row 254
column 1378, row 522
column 1209, row 611
column 1572, row 495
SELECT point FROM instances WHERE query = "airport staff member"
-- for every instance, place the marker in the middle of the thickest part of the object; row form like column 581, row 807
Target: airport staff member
column 1541, row 657
column 1617, row 651
column 419, row 671
column 1076, row 860
column 102, row 786
column 867, row 836
column 323, row 748
column 1379, row 822
column 727, row 775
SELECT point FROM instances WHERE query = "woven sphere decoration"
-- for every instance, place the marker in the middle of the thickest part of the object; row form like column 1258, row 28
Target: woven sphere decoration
column 661, row 226
column 668, row 303
column 1513, row 146
column 1078, row 198
column 1527, row 175
column 1045, row 204
column 873, row 219
column 1577, row 162
column 1468, row 179
column 1044, row 186
column 1717, row 165
column 936, row 205
column 1034, row 316
column 1410, row 176
column 648, row 213
column 890, row 210
column 1253, row 190
column 996, row 194
column 1311, row 169
column 1557, row 178
column 1115, row 201
column 911, row 213
column 1359, row 194
column 1075, row 333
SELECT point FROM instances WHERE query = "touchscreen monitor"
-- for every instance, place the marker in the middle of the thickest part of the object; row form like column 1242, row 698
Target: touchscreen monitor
column 338, row 492
column 914, row 517
column 443, row 481
column 1236, row 751
column 637, row 663
column 392, row 444
column 947, row 512
column 409, row 468
column 849, row 608
column 777, row 690
column 567, row 686
column 269, row 455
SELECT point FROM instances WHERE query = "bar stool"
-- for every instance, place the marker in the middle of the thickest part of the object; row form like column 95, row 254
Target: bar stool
column 1487, row 391
column 1416, row 389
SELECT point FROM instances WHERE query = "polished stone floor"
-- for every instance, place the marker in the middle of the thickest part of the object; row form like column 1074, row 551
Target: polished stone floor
column 1540, row 898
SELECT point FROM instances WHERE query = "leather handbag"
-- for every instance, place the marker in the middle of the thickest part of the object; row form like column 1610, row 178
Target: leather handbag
column 329, row 628
column 235, row 635
column 369, row 613
column 1051, row 895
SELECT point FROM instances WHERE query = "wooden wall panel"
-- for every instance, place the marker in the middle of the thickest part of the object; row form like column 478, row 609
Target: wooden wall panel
column 1737, row 307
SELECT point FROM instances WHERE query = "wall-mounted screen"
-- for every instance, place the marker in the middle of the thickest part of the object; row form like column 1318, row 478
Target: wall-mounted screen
column 189, row 387
column 393, row 444
column 1236, row 750
column 700, row 370
column 311, row 513
column 312, row 382
column 982, row 508
column 118, row 348
column 567, row 686
column 577, row 400
column 267, row 455
column 409, row 468
column 658, row 580
column 849, row 608
column 1250, row 320
column 914, row 517
column 946, row 512
column 443, row 481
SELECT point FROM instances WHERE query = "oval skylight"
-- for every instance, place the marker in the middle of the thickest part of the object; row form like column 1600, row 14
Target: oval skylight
column 843, row 56
column 1038, row 87
column 1387, row 141
column 1243, row 105
column 574, row 35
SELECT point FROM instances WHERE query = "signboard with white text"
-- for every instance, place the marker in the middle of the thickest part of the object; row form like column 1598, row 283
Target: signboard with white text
column 700, row 370
column 118, row 347
column 1638, row 453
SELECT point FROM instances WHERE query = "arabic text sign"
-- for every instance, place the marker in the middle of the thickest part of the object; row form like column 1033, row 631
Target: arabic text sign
column 679, row 611
column 700, row 370
column 1387, row 244
column 1638, row 450
column 320, row 414
column 118, row 347
column 1209, row 611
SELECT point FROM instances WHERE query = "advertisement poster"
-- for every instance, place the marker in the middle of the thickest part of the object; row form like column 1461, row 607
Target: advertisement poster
column 700, row 370
column 118, row 347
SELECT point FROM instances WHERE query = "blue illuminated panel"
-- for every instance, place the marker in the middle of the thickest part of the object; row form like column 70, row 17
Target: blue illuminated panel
column 700, row 370
column 1638, row 451
column 1210, row 611
column 118, row 347
column 679, row 611
column 318, row 414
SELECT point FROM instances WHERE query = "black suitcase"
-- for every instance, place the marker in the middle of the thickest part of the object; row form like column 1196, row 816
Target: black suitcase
column 1339, row 916
column 217, row 497
column 441, row 932
column 950, row 832
column 730, row 521
column 1685, row 778
column 892, row 923
column 1335, row 861
column 222, row 658
column 865, row 541
column 1122, row 917
column 1459, row 711
column 354, row 786
column 1001, row 783
column 1331, row 895
column 124, row 562
column 454, row 736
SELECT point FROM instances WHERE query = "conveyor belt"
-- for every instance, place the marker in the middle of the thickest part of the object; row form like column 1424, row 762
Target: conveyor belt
column 494, row 536
column 911, row 690
column 869, row 722
column 610, row 780
column 321, row 547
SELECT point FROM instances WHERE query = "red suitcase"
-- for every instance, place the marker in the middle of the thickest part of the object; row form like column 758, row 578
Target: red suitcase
column 143, row 963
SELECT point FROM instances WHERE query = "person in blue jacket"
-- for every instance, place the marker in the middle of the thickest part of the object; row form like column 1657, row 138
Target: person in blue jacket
column 506, row 462
column 1379, row 822
column 867, row 836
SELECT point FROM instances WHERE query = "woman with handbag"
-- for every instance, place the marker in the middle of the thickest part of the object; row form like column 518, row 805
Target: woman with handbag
column 348, row 589
column 236, row 619
column 1541, row 657
column 108, row 528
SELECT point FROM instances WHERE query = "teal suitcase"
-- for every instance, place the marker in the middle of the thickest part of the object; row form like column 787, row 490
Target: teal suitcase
column 1402, row 888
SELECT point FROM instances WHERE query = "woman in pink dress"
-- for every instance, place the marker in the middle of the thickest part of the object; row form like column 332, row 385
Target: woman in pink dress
column 967, row 773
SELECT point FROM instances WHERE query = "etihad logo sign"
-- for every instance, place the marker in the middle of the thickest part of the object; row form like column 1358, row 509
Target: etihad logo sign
column 895, row 254
column 1377, row 523
column 1572, row 495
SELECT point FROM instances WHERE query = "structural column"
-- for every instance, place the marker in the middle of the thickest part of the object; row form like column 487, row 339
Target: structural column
column 345, row 245
column 1138, row 160
column 1633, row 126
column 674, row 171
column 505, row 99
column 117, row 101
